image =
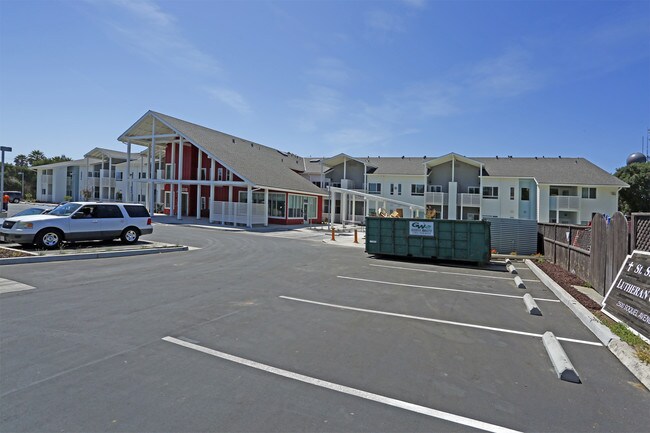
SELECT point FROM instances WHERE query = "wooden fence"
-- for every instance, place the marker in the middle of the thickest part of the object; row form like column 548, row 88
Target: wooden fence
column 593, row 253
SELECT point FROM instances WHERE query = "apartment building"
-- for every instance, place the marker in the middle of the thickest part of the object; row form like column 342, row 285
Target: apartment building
column 188, row 170
column 562, row 189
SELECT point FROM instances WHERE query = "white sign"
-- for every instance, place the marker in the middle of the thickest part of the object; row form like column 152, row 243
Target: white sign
column 421, row 228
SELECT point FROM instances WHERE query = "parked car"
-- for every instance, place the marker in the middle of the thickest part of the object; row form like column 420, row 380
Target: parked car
column 35, row 210
column 14, row 196
column 79, row 221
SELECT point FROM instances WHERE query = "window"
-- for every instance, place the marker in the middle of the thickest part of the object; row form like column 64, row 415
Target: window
column 417, row 189
column 136, row 211
column 589, row 193
column 109, row 211
column 228, row 175
column 525, row 194
column 395, row 189
column 473, row 189
column 220, row 174
column 43, row 191
column 204, row 172
column 203, row 203
column 491, row 192
column 277, row 204
column 258, row 197
column 554, row 191
column 435, row 188
column 512, row 193
column 169, row 171
column 119, row 175
column 374, row 188
column 297, row 203
column 168, row 199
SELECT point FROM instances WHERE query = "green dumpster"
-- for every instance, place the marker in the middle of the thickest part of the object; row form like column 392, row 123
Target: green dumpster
column 461, row 240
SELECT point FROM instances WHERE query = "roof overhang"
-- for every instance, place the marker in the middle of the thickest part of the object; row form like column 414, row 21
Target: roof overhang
column 341, row 158
column 452, row 157
column 101, row 153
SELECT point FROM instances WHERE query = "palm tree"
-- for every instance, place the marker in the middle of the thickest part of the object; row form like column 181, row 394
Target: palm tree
column 21, row 161
column 35, row 156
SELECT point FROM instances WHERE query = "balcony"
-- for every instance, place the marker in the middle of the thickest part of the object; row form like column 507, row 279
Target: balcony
column 469, row 200
column 46, row 179
column 436, row 198
column 564, row 202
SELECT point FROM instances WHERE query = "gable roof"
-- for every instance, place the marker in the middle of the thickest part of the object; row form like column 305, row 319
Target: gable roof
column 562, row 171
column 396, row 165
column 260, row 165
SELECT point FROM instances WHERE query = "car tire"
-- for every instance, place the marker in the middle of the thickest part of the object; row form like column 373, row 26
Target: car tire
column 16, row 200
column 49, row 238
column 130, row 235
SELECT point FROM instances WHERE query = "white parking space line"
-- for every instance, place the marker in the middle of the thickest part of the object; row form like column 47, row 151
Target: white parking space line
column 471, row 292
column 434, row 413
column 446, row 322
column 465, row 274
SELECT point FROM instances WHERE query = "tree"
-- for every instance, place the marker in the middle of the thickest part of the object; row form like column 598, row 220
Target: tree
column 21, row 161
column 35, row 156
column 54, row 159
column 636, row 198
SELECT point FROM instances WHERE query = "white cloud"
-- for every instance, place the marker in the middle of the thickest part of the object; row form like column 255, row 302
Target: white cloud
column 507, row 75
column 321, row 105
column 330, row 70
column 230, row 98
column 383, row 21
column 155, row 34
column 417, row 4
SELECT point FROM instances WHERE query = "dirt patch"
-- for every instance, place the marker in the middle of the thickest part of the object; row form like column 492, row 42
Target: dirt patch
column 567, row 280
column 6, row 253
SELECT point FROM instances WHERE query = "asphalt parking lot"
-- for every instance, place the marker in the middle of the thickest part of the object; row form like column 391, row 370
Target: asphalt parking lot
column 255, row 332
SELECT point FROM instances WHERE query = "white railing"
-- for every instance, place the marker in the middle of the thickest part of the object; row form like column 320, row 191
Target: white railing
column 107, row 173
column 107, row 181
column 465, row 199
column 564, row 202
column 438, row 198
column 46, row 178
column 237, row 213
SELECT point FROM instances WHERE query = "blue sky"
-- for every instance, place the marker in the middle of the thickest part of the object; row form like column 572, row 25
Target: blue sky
column 389, row 78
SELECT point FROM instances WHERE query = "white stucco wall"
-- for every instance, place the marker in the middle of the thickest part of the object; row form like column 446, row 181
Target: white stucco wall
column 405, row 181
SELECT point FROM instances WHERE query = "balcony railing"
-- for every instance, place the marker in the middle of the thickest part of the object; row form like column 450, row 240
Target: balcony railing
column 46, row 178
column 437, row 198
column 471, row 200
column 564, row 202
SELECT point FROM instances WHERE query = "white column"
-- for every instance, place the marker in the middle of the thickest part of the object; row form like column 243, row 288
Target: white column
column 101, row 177
column 211, row 205
column 179, row 205
column 87, row 177
column 140, row 174
column 198, row 187
column 110, row 178
column 231, row 206
column 127, row 196
column 332, row 207
column 172, row 176
column 344, row 207
column 249, row 206
column 266, row 207
column 152, row 167
column 345, row 168
column 480, row 192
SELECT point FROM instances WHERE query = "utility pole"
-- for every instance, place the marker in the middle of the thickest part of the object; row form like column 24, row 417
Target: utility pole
column 3, row 149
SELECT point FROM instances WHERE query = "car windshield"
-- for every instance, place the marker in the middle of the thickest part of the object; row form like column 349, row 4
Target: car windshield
column 65, row 209
column 30, row 211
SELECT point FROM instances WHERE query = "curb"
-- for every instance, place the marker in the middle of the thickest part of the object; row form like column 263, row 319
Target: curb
column 88, row 256
column 620, row 349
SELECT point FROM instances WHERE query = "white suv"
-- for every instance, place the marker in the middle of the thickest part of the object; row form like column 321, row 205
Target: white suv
column 79, row 221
